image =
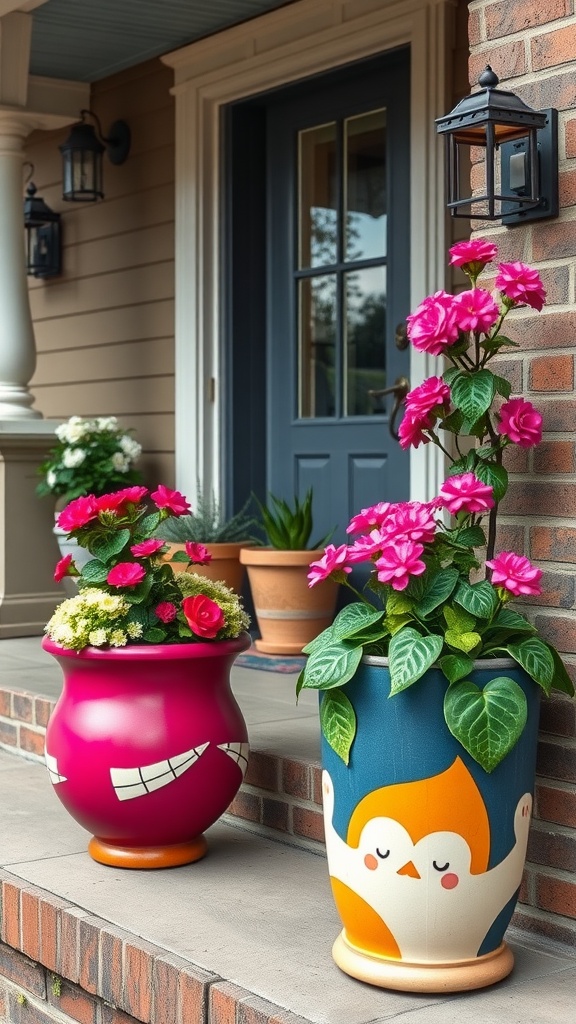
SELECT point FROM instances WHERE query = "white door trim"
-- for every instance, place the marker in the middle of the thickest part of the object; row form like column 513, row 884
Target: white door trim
column 280, row 47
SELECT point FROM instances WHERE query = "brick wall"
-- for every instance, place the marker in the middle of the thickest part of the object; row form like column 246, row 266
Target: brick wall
column 532, row 47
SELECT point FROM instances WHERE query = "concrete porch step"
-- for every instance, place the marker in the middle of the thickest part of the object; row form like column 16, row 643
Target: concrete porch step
column 241, row 937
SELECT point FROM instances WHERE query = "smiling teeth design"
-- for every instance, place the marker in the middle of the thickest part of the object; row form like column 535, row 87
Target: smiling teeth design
column 52, row 766
column 132, row 782
column 238, row 752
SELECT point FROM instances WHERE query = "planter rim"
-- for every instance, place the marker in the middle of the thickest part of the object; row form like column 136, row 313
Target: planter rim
column 278, row 556
column 218, row 547
column 157, row 652
column 376, row 659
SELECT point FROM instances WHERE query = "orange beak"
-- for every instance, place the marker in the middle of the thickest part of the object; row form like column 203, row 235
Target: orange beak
column 409, row 869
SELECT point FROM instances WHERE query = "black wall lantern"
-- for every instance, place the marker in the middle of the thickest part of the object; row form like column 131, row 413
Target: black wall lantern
column 524, row 187
column 82, row 157
column 43, row 238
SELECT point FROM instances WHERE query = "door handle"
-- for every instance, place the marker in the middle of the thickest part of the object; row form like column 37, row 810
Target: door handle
column 399, row 389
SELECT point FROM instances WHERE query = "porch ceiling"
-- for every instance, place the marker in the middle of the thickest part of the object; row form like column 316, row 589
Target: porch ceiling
column 86, row 40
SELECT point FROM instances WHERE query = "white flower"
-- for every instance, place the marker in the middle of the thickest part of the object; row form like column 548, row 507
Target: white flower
column 120, row 462
column 118, row 638
column 97, row 638
column 73, row 457
column 131, row 448
column 51, row 478
column 107, row 423
column 134, row 630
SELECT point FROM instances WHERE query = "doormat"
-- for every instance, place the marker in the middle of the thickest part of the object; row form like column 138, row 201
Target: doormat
column 270, row 662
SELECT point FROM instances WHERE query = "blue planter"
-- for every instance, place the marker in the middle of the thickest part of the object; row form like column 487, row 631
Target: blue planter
column 425, row 849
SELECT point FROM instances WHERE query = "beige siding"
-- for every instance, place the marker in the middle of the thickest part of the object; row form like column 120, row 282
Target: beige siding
column 105, row 328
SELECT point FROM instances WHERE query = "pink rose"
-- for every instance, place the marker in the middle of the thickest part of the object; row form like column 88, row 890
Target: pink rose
column 520, row 422
column 466, row 493
column 476, row 310
column 515, row 573
column 411, row 430
column 163, row 497
column 368, row 518
column 333, row 559
column 423, row 405
column 204, row 616
column 78, row 513
column 146, row 548
column 412, row 520
column 126, row 574
column 432, row 327
column 473, row 255
column 62, row 568
column 365, row 548
column 399, row 562
column 521, row 284
column 166, row 611
column 197, row 553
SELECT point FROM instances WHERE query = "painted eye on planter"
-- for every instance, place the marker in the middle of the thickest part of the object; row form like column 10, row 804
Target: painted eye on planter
column 382, row 855
column 439, row 868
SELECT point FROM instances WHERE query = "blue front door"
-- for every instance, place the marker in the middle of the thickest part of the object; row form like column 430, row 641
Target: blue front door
column 337, row 174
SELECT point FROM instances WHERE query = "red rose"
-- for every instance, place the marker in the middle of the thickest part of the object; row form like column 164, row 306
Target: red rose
column 146, row 548
column 166, row 611
column 204, row 616
column 117, row 499
column 126, row 574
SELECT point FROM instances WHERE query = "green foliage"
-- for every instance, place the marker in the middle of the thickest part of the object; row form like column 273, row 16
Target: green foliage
column 290, row 528
column 91, row 456
column 207, row 524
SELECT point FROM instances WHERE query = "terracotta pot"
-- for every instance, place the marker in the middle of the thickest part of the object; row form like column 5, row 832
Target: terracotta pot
column 225, row 564
column 289, row 612
column 147, row 747
column 425, row 849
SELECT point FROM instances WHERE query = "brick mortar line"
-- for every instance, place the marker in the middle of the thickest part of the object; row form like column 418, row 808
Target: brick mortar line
column 154, row 955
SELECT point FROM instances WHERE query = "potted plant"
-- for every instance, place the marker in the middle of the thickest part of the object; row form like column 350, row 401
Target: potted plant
column 213, row 540
column 92, row 456
column 146, row 746
column 287, row 612
column 430, row 680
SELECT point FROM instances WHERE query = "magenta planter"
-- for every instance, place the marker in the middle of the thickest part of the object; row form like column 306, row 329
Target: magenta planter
column 147, row 747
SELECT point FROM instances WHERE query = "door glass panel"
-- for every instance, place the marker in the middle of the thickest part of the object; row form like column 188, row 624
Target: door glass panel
column 317, row 348
column 365, row 362
column 318, row 200
column 365, row 189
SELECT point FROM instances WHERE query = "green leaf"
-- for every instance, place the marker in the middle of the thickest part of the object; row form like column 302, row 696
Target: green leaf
column 105, row 548
column 493, row 344
column 562, row 680
column 410, row 656
column 536, row 659
column 449, row 375
column 508, row 619
column 154, row 635
column 398, row 602
column 458, row 619
column 331, row 666
column 179, row 556
column 149, row 524
column 354, row 618
column 473, row 393
column 480, row 599
column 503, row 386
column 466, row 641
column 95, row 572
column 456, row 666
column 495, row 475
column 487, row 722
column 472, row 537
column 438, row 590
column 338, row 722
column 453, row 422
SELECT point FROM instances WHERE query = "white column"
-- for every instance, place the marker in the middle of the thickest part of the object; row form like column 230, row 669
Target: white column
column 17, row 347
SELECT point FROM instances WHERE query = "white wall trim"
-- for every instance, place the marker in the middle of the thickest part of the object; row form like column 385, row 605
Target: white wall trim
column 278, row 48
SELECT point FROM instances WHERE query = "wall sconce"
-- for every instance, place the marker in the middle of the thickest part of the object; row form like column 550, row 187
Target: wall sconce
column 493, row 119
column 82, row 157
column 43, row 237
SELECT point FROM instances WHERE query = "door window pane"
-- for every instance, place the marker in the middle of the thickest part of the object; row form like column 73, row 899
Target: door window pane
column 317, row 346
column 365, row 362
column 365, row 190
column 318, row 200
